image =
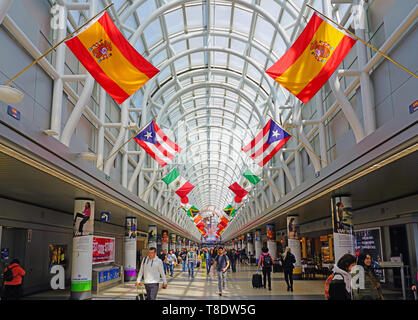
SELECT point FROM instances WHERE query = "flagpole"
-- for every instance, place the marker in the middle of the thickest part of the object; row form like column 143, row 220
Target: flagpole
column 56, row 45
column 104, row 161
column 310, row 150
column 365, row 42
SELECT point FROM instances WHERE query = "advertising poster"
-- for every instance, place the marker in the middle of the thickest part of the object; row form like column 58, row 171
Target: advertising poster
column 83, row 217
column 271, row 232
column 342, row 226
column 152, row 236
column 103, row 249
column 57, row 255
column 369, row 241
column 129, row 258
column 164, row 240
column 130, row 227
column 293, row 227
column 81, row 270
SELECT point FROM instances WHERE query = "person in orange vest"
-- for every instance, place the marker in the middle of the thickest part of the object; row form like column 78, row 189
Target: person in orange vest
column 13, row 281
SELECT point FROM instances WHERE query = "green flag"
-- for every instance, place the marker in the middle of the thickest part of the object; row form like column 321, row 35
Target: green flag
column 251, row 177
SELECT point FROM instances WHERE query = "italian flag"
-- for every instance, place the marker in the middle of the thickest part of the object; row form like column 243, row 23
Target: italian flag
column 176, row 182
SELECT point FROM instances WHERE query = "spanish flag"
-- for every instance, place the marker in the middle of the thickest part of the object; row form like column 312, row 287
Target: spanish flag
column 312, row 59
column 111, row 59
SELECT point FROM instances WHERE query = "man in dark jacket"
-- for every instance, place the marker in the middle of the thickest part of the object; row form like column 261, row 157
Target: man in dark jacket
column 232, row 257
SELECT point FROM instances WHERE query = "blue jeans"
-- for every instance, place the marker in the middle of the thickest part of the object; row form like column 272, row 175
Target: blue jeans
column 191, row 269
column 166, row 267
column 184, row 265
column 171, row 268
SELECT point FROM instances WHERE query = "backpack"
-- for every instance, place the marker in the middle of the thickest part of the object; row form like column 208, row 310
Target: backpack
column 328, row 283
column 8, row 275
column 267, row 261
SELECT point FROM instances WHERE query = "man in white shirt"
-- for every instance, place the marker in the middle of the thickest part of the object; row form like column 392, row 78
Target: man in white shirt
column 151, row 269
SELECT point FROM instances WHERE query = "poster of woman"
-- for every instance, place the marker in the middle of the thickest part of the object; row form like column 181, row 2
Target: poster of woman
column 292, row 227
column 83, row 222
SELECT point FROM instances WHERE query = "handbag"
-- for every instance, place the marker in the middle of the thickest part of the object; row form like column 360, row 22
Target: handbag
column 142, row 295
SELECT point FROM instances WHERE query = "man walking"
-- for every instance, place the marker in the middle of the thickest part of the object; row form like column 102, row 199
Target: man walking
column 209, row 261
column 151, row 269
column 164, row 260
column 171, row 258
column 191, row 261
column 183, row 256
column 220, row 265
column 233, row 260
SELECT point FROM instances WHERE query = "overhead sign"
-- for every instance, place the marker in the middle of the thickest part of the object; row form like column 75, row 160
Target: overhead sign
column 105, row 216
column 413, row 107
column 13, row 112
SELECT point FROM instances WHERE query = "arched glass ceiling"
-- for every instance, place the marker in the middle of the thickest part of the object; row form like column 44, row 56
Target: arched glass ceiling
column 212, row 91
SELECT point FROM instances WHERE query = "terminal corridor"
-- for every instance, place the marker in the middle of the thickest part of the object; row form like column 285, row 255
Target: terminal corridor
column 138, row 134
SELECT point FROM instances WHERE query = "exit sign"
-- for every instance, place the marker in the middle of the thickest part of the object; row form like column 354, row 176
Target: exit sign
column 13, row 112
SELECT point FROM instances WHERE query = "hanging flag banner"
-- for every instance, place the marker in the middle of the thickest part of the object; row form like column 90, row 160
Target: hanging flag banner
column 156, row 143
column 239, row 191
column 104, row 52
column 177, row 183
column 312, row 59
column 267, row 143
column 252, row 178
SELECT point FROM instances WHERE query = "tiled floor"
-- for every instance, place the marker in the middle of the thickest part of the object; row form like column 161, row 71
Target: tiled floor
column 238, row 286
column 203, row 287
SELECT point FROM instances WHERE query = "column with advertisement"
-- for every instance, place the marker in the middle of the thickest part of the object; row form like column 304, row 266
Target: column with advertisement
column 173, row 242
column 257, row 244
column 294, row 243
column 152, row 236
column 271, row 240
column 342, row 226
column 129, row 260
column 164, row 240
column 82, row 257
column 250, row 244
column 178, row 243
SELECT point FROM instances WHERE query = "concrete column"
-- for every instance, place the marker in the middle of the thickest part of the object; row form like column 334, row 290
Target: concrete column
column 342, row 226
column 82, row 258
column 250, row 244
column 271, row 242
column 294, row 243
column 173, row 239
column 129, row 258
column 257, row 244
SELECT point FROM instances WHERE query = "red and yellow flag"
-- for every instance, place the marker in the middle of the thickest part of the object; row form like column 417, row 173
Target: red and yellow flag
column 312, row 59
column 111, row 59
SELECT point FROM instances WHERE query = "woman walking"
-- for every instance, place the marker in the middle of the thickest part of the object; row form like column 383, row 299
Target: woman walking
column 288, row 260
column 372, row 289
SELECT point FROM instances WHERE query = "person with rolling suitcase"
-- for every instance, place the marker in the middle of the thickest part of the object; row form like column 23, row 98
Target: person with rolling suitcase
column 266, row 263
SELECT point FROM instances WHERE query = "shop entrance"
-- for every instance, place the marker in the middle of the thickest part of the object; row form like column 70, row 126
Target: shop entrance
column 398, row 246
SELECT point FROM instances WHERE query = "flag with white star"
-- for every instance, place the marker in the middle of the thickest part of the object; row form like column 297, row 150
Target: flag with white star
column 267, row 143
column 156, row 143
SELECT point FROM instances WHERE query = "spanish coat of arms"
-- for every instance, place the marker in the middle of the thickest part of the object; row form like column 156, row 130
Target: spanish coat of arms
column 321, row 50
column 101, row 50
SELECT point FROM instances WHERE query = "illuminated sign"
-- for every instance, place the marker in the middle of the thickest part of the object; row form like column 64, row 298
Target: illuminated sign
column 13, row 112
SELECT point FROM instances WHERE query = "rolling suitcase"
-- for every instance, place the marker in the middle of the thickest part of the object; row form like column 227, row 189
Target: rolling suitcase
column 257, row 280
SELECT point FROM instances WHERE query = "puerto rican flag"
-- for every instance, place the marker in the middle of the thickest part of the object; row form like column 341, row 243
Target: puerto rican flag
column 266, row 144
column 157, row 144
